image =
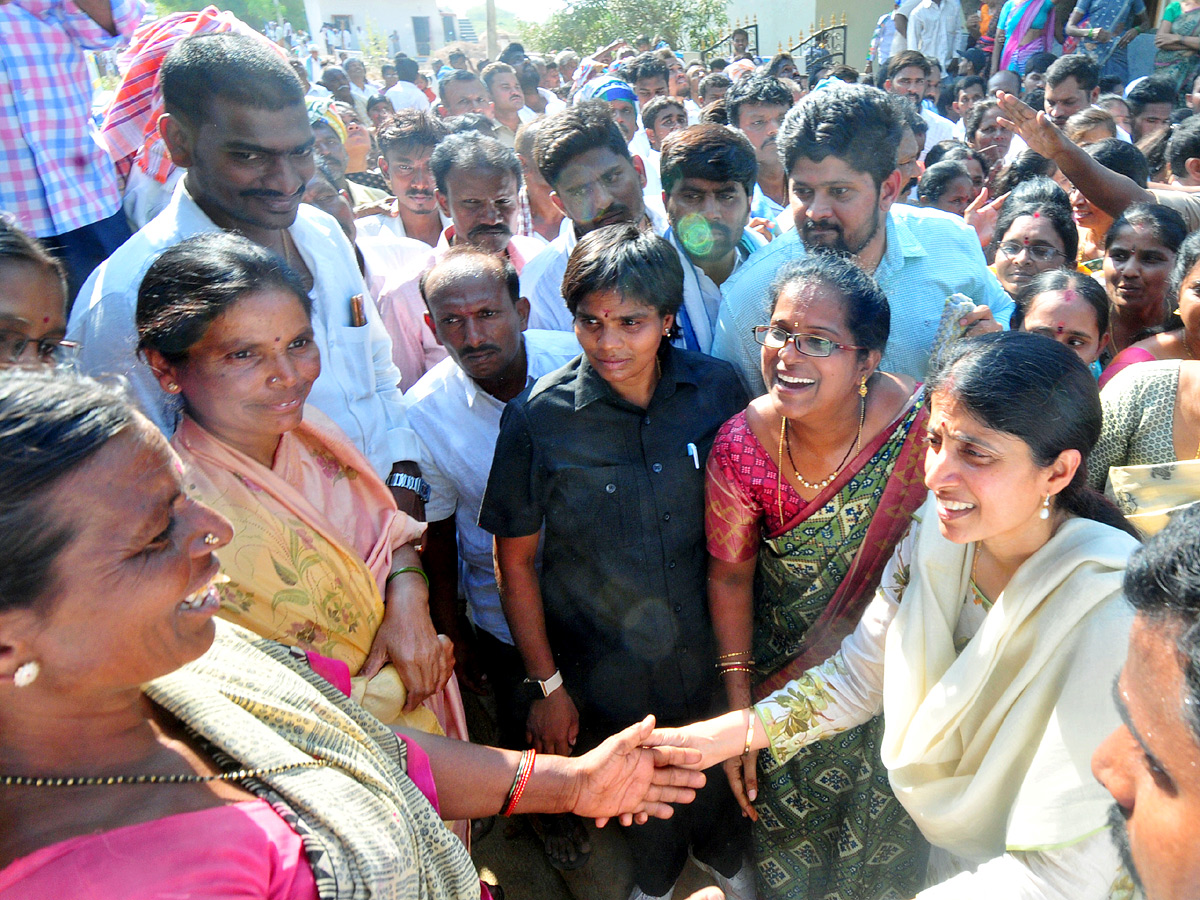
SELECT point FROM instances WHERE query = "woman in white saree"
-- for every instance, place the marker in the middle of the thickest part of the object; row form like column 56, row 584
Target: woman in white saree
column 992, row 643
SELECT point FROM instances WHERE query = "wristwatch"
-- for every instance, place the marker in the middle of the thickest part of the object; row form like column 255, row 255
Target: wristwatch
column 550, row 685
column 410, row 483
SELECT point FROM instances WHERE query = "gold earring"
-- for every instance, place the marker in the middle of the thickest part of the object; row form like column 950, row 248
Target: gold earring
column 173, row 388
column 862, row 388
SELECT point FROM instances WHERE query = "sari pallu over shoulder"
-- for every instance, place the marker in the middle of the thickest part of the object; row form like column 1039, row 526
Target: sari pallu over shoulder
column 818, row 572
column 294, row 575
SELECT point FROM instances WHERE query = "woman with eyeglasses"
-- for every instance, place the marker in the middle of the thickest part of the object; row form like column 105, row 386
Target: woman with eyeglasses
column 33, row 301
column 808, row 492
column 1031, row 238
column 990, row 647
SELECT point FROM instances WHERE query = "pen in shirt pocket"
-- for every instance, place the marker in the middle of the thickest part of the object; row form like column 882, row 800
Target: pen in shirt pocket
column 358, row 316
column 694, row 454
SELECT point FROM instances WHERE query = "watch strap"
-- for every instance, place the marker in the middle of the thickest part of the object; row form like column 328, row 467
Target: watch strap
column 550, row 685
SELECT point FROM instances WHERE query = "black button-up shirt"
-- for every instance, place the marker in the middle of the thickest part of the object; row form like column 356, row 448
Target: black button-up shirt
column 620, row 491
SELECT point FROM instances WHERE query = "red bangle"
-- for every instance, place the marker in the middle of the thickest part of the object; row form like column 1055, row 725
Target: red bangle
column 524, row 771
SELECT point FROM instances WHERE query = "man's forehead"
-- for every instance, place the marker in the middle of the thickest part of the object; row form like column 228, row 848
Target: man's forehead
column 283, row 128
column 588, row 165
column 707, row 185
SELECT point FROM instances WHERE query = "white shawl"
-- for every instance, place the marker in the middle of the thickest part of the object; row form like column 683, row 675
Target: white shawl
column 990, row 750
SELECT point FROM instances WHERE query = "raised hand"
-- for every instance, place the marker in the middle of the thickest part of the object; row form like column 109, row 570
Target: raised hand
column 1035, row 127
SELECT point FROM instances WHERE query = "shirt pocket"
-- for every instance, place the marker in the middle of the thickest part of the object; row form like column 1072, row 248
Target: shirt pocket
column 595, row 504
column 353, row 361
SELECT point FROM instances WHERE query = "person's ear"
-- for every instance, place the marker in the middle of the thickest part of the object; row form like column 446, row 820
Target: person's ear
column 383, row 167
column 1192, row 167
column 640, row 167
column 523, row 312
column 889, row 191
column 1095, row 95
column 441, row 111
column 166, row 373
column 443, row 203
column 1062, row 470
column 558, row 204
column 429, row 325
column 887, row 85
column 179, row 138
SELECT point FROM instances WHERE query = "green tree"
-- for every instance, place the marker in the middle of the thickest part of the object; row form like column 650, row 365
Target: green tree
column 252, row 12
column 585, row 25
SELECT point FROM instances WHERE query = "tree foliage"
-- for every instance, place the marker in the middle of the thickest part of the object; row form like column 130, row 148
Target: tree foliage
column 585, row 25
column 252, row 12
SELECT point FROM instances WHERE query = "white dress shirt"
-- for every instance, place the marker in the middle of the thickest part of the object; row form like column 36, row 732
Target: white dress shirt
column 406, row 95
column 457, row 424
column 357, row 387
column 934, row 28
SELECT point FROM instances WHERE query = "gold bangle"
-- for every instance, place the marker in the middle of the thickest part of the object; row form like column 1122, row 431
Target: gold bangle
column 732, row 655
column 749, row 728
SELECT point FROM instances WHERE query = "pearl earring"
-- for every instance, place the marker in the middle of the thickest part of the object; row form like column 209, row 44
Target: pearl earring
column 1045, row 511
column 26, row 674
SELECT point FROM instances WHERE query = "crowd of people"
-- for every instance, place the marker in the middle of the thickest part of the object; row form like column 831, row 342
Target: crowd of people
column 802, row 460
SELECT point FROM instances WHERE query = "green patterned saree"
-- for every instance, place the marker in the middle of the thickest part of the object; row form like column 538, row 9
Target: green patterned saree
column 829, row 825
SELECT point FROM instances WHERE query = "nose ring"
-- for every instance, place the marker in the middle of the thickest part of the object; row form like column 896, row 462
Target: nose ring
column 211, row 539
column 274, row 379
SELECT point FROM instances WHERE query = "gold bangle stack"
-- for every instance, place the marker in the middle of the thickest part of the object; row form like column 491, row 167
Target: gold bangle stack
column 740, row 661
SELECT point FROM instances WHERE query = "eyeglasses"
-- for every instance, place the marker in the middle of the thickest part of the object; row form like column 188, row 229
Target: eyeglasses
column 775, row 338
column 14, row 344
column 1038, row 252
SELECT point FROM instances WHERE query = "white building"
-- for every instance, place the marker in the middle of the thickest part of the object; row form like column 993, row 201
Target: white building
column 421, row 25
column 779, row 23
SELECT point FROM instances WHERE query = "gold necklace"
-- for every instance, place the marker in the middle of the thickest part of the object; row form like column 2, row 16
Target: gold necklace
column 92, row 781
column 785, row 439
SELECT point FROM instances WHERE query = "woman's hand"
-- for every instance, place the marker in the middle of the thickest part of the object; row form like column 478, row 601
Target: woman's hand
column 623, row 778
column 1127, row 37
column 742, row 773
column 717, row 739
column 423, row 658
column 979, row 321
column 982, row 213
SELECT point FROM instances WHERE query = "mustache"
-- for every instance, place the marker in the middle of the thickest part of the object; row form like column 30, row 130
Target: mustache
column 274, row 195
column 482, row 348
column 479, row 230
column 1120, row 838
column 418, row 192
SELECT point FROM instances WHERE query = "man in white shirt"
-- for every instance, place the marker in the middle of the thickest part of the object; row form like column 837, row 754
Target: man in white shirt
column 406, row 142
column 236, row 121
column 582, row 154
column 312, row 64
column 404, row 94
column 708, row 175
column 934, row 29
column 907, row 74
column 455, row 409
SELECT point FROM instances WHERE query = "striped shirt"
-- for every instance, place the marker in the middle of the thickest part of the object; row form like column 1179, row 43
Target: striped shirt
column 54, row 176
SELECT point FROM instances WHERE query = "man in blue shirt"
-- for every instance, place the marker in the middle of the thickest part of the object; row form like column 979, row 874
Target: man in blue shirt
column 839, row 151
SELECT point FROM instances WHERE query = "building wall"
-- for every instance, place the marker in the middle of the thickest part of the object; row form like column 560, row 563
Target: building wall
column 384, row 16
column 792, row 19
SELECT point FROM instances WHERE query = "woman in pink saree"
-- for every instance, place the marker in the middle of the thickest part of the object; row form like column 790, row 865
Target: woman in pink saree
column 793, row 563
column 321, row 559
